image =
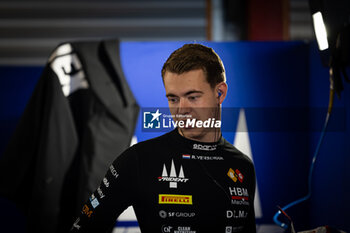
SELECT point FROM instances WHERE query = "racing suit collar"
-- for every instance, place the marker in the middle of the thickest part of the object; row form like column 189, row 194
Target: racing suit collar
column 197, row 145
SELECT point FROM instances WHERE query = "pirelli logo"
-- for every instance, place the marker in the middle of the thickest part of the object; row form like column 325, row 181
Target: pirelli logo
column 175, row 199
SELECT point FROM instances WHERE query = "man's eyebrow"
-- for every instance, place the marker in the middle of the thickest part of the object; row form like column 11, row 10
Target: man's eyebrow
column 171, row 95
column 186, row 94
column 193, row 92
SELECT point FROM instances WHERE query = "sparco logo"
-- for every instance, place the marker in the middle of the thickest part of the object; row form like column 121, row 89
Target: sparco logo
column 204, row 147
column 173, row 179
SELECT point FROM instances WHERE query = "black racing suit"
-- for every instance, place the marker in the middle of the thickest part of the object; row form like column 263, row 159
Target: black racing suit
column 175, row 185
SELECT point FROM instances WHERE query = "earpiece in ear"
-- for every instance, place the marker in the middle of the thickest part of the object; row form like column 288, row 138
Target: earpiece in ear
column 219, row 94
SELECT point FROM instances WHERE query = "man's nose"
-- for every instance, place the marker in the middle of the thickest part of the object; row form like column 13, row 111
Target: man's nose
column 184, row 106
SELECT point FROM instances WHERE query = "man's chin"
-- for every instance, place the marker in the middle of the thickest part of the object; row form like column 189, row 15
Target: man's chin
column 192, row 133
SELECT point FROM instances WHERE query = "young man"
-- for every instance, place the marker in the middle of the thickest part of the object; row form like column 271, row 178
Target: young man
column 190, row 180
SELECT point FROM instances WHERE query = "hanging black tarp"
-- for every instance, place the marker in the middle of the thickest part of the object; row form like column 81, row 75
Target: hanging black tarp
column 81, row 116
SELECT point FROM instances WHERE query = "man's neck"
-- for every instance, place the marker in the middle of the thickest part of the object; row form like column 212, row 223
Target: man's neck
column 210, row 137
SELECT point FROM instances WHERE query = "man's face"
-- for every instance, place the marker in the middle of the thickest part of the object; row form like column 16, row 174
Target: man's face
column 191, row 95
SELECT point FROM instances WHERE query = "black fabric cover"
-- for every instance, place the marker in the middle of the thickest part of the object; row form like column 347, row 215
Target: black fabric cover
column 65, row 142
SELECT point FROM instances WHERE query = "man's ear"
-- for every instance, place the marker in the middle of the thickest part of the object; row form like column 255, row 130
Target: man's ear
column 221, row 89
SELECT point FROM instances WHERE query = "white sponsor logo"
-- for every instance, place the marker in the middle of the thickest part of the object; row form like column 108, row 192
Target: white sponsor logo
column 164, row 214
column 236, row 214
column 76, row 225
column 242, row 192
column 166, row 229
column 173, row 179
column 204, row 147
column 184, row 230
column 239, row 196
column 230, row 229
column 183, row 214
column 239, row 202
column 179, row 229
column 113, row 171
column 100, row 192
column 105, row 182
column 68, row 69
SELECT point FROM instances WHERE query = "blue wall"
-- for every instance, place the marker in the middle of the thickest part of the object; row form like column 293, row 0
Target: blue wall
column 271, row 77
